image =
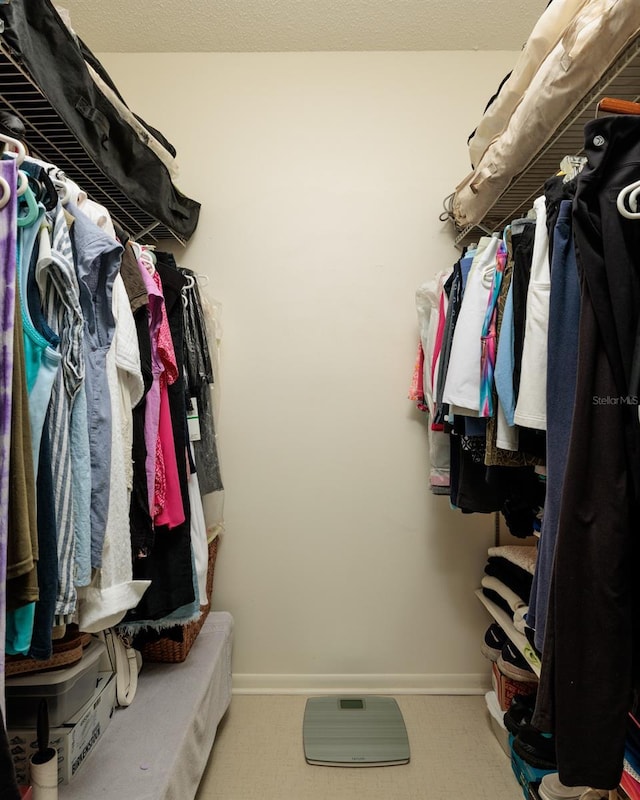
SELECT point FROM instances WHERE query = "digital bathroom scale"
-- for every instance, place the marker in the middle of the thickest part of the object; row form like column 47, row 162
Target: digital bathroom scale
column 362, row 731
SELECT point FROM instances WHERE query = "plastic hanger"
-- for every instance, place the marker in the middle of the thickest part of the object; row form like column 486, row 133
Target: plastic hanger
column 20, row 153
column 572, row 166
column 627, row 201
column 610, row 105
column 190, row 283
column 20, row 149
column 6, row 192
column 23, row 183
column 47, row 193
column 64, row 193
column 145, row 256
column 33, row 209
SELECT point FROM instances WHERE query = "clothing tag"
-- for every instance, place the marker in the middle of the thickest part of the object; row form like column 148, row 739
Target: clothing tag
column 193, row 421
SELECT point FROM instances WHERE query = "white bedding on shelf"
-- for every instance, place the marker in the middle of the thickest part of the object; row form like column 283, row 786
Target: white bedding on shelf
column 157, row 748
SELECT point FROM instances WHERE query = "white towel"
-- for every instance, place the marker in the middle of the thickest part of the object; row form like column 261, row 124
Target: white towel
column 508, row 595
column 521, row 555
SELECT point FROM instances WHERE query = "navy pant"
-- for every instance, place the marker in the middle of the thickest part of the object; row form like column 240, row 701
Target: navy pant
column 562, row 362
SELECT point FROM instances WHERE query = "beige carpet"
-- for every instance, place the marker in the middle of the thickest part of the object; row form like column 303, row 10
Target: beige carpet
column 258, row 755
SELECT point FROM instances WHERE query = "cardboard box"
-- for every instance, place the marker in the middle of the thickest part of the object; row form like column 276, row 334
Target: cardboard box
column 506, row 688
column 74, row 741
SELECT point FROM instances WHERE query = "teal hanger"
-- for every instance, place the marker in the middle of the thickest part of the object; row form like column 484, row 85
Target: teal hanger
column 33, row 209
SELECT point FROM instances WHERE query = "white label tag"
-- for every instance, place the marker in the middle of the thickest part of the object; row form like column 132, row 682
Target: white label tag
column 193, row 422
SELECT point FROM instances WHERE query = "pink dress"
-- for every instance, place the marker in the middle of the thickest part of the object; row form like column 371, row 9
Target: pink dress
column 163, row 488
column 167, row 499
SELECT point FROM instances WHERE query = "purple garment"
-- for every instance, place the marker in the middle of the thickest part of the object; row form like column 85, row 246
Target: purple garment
column 7, row 309
column 152, row 410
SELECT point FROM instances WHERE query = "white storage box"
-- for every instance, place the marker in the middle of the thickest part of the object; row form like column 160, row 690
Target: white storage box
column 66, row 690
column 74, row 741
column 497, row 724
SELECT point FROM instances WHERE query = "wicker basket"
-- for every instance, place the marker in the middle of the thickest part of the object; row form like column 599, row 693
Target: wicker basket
column 66, row 652
column 175, row 647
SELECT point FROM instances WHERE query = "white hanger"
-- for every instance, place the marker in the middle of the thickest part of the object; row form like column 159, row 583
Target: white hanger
column 190, row 283
column 64, row 192
column 571, row 166
column 145, row 256
column 627, row 201
column 23, row 183
column 21, row 150
column 6, row 192
column 20, row 153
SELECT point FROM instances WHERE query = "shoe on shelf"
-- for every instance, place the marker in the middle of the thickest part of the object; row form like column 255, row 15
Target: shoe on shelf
column 551, row 788
column 600, row 794
column 514, row 665
column 536, row 748
column 520, row 712
column 494, row 640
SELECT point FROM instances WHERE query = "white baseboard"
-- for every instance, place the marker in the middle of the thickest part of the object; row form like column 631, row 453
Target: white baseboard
column 245, row 683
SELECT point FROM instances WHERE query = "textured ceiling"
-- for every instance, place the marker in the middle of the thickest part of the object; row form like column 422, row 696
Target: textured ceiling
column 291, row 25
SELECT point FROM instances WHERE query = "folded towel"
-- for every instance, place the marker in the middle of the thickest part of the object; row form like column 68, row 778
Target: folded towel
column 520, row 555
column 513, row 600
column 516, row 578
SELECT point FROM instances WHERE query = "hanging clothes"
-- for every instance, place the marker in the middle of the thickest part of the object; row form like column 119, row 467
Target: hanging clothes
column 489, row 336
column 140, row 522
column 97, row 257
column 462, row 387
column 200, row 378
column 169, row 563
column 454, row 288
column 591, row 637
column 44, row 614
column 7, row 310
column 564, row 315
column 104, row 603
column 165, row 501
column 502, row 439
column 531, row 410
column 22, row 551
column 67, row 421
column 41, row 369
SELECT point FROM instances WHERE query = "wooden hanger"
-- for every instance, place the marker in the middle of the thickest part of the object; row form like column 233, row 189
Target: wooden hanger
column 610, row 105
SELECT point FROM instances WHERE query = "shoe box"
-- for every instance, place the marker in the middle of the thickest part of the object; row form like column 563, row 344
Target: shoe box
column 75, row 740
column 506, row 688
column 527, row 776
column 66, row 690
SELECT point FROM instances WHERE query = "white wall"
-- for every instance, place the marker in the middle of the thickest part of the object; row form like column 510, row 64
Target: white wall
column 321, row 178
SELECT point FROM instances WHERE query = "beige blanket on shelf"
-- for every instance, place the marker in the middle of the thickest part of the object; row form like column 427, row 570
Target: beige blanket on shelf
column 589, row 45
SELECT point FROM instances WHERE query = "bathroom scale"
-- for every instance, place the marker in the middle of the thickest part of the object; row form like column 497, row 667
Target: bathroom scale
column 354, row 731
